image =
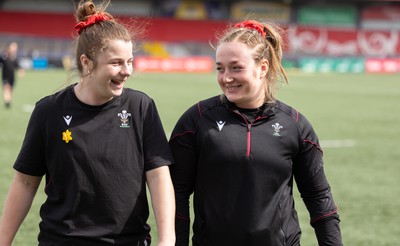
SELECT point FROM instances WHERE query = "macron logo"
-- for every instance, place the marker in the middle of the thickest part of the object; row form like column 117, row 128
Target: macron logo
column 220, row 124
column 67, row 119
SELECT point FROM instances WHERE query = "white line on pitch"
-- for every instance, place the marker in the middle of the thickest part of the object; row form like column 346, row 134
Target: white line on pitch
column 28, row 108
column 341, row 143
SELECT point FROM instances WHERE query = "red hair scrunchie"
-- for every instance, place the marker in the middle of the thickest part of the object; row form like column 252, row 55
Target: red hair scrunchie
column 90, row 21
column 255, row 25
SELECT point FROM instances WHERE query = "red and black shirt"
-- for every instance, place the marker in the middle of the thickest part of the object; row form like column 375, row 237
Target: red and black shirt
column 240, row 170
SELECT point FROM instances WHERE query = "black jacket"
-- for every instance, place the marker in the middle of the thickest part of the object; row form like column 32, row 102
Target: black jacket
column 241, row 172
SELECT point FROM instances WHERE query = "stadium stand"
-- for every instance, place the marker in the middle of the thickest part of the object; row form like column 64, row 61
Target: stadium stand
column 314, row 28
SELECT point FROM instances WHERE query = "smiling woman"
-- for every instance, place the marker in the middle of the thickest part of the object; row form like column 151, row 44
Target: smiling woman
column 239, row 153
column 96, row 189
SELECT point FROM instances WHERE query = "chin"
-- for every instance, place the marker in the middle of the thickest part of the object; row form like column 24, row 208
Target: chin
column 232, row 99
column 117, row 90
column 117, row 93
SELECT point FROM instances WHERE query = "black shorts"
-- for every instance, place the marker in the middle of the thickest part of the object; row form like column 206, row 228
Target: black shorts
column 8, row 82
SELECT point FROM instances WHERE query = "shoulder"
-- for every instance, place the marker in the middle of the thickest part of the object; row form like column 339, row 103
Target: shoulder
column 290, row 112
column 296, row 118
column 191, row 117
column 55, row 98
column 133, row 92
column 287, row 110
column 201, row 107
column 208, row 104
column 135, row 96
column 52, row 103
column 49, row 101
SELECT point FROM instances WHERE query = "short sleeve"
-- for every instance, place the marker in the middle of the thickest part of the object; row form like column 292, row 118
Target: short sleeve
column 156, row 149
column 31, row 158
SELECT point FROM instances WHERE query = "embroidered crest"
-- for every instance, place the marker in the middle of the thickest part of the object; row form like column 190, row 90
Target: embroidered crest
column 277, row 128
column 124, row 117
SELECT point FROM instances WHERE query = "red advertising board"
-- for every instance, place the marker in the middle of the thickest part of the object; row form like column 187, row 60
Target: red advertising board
column 342, row 42
column 61, row 25
column 301, row 40
column 382, row 65
column 184, row 64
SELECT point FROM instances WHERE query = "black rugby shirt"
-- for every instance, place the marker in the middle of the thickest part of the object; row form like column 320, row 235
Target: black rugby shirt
column 94, row 159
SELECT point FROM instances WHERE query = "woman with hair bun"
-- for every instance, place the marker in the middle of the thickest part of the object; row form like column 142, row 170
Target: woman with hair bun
column 239, row 152
column 97, row 144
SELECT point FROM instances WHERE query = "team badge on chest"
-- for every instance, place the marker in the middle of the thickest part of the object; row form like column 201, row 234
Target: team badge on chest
column 277, row 129
column 124, row 118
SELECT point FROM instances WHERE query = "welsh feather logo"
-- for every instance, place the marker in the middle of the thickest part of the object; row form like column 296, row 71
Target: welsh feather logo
column 124, row 118
column 277, row 129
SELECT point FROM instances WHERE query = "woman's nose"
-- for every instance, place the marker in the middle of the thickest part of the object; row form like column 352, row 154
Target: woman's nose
column 127, row 69
column 227, row 77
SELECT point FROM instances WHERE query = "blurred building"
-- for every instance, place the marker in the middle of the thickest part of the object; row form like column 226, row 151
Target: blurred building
column 314, row 29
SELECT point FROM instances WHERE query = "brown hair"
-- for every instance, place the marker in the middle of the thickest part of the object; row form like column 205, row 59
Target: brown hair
column 95, row 37
column 268, row 47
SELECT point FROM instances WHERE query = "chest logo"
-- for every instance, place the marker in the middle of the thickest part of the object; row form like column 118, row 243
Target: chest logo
column 277, row 129
column 124, row 118
column 67, row 119
column 220, row 124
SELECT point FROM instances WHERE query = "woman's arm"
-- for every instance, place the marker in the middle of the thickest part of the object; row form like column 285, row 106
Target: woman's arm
column 18, row 202
column 163, row 201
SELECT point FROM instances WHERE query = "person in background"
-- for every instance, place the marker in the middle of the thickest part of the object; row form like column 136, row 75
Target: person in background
column 97, row 144
column 9, row 64
column 239, row 152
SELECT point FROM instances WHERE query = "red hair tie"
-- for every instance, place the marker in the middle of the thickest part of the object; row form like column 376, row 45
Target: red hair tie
column 251, row 24
column 90, row 21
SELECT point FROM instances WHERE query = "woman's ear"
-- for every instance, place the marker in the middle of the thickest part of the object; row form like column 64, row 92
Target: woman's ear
column 264, row 67
column 87, row 64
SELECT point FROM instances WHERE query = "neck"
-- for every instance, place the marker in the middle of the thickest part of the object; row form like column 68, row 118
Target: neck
column 88, row 96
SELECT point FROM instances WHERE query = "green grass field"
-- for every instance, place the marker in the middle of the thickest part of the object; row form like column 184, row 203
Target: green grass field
column 356, row 116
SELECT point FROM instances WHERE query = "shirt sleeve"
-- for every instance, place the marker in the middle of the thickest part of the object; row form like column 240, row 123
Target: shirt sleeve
column 183, row 172
column 155, row 143
column 31, row 158
column 314, row 187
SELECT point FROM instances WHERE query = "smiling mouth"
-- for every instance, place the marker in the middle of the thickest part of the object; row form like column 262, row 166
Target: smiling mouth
column 233, row 87
column 116, row 82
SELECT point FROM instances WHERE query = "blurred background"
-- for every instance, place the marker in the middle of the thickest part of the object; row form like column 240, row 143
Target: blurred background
column 343, row 60
column 321, row 36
